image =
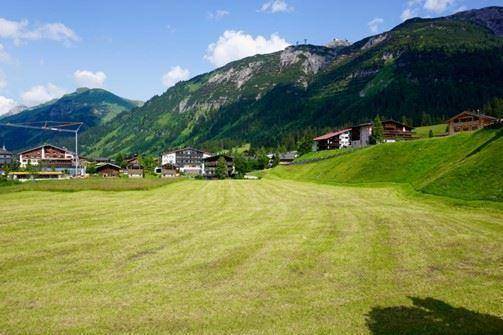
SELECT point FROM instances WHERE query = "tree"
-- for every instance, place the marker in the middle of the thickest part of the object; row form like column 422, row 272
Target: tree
column 378, row 131
column 494, row 108
column 91, row 168
column 304, row 146
column 430, row 133
column 221, row 169
column 119, row 159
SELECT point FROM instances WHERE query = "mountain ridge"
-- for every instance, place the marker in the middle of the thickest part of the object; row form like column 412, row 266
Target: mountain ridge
column 94, row 107
column 423, row 66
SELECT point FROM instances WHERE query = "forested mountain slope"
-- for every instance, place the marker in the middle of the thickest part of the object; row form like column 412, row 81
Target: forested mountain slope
column 436, row 67
column 93, row 107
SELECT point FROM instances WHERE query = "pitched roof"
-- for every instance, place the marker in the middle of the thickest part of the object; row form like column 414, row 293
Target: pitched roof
column 183, row 149
column 474, row 114
column 331, row 134
column 47, row 145
column 101, row 165
column 217, row 156
column 291, row 155
column 398, row 123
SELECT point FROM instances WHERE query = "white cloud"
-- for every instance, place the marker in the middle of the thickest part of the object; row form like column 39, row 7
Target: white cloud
column 233, row 45
column 6, row 105
column 437, row 6
column 276, row 6
column 461, row 9
column 218, row 14
column 375, row 24
column 20, row 31
column 4, row 56
column 42, row 93
column 89, row 79
column 175, row 75
column 408, row 13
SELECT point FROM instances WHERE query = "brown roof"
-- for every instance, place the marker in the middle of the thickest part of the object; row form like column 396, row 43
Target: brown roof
column 331, row 134
column 483, row 116
column 397, row 123
column 47, row 145
column 187, row 148
column 102, row 165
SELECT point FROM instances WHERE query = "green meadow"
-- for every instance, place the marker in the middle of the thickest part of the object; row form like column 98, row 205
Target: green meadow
column 249, row 257
column 403, row 238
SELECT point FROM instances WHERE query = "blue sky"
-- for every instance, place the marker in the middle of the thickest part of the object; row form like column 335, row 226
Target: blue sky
column 137, row 49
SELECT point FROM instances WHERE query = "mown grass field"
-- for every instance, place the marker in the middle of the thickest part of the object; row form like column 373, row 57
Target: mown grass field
column 89, row 184
column 249, row 257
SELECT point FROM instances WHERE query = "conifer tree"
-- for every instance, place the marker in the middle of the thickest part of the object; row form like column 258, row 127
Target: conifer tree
column 378, row 130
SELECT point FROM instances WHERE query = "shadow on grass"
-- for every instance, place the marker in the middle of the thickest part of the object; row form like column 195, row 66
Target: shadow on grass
column 431, row 316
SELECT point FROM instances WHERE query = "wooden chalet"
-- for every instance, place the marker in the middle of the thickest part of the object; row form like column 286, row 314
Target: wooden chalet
column 334, row 140
column 134, row 168
column 469, row 121
column 287, row 158
column 395, row 131
column 210, row 165
column 108, row 170
column 51, row 158
column 169, row 170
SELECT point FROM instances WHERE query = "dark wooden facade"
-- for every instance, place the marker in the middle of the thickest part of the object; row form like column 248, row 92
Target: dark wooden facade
column 469, row 121
column 394, row 131
column 108, row 170
column 210, row 165
column 169, row 171
column 332, row 140
column 134, row 168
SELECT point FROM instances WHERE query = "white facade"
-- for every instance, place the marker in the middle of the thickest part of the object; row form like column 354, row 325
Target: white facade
column 169, row 158
column 344, row 140
column 34, row 161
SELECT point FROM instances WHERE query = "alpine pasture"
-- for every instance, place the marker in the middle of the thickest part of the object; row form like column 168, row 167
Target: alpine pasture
column 251, row 257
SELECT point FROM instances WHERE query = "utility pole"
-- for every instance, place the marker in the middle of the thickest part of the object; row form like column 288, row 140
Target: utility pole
column 61, row 127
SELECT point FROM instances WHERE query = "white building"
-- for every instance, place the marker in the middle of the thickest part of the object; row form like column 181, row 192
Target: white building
column 187, row 160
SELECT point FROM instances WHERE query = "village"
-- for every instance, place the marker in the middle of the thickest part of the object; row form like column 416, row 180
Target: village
column 50, row 162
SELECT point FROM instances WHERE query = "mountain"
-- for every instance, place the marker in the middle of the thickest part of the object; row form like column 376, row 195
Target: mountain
column 94, row 107
column 13, row 111
column 433, row 67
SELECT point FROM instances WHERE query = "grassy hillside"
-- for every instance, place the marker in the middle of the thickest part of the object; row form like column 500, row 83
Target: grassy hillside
column 467, row 166
column 424, row 132
column 248, row 257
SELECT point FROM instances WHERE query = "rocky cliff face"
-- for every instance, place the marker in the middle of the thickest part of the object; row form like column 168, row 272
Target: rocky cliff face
column 490, row 17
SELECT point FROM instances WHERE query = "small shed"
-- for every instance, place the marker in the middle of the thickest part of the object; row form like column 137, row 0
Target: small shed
column 287, row 158
column 469, row 121
column 108, row 170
